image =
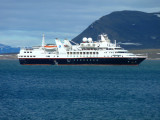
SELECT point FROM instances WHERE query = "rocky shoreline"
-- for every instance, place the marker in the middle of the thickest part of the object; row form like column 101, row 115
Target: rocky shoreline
column 8, row 57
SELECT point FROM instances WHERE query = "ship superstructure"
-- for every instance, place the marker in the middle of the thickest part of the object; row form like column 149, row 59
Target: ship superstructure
column 89, row 52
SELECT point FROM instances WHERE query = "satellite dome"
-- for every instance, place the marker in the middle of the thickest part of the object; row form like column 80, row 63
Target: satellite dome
column 89, row 40
column 84, row 39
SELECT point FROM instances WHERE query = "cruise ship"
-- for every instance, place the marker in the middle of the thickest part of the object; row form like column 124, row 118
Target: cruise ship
column 89, row 52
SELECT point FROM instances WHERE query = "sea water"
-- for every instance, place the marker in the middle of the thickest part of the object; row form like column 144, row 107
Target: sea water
column 79, row 92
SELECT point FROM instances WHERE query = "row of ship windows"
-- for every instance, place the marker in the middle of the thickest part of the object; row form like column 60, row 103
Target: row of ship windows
column 92, row 45
column 28, row 56
column 27, row 51
column 101, row 48
column 88, row 45
column 74, row 56
column 90, row 48
column 84, row 59
column 95, row 49
column 108, row 52
column 115, row 52
column 82, row 53
column 120, row 52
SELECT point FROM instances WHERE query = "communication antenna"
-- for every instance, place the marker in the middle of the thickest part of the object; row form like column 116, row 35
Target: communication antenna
column 43, row 41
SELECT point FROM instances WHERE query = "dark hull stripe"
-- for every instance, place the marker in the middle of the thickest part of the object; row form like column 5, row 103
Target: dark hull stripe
column 82, row 58
column 99, row 64
column 36, row 64
column 83, row 61
column 84, row 64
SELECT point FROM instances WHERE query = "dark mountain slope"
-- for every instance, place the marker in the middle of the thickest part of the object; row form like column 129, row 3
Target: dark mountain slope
column 132, row 29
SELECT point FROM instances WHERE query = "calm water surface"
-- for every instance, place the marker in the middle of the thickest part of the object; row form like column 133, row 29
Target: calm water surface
column 79, row 92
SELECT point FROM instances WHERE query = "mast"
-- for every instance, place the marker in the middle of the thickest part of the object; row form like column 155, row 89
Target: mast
column 43, row 41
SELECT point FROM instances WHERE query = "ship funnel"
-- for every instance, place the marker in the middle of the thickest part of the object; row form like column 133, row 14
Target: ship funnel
column 43, row 41
column 102, row 38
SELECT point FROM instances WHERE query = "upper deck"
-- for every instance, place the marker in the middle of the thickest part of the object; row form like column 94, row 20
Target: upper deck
column 88, row 48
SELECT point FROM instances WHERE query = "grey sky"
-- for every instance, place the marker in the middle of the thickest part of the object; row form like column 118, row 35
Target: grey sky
column 22, row 22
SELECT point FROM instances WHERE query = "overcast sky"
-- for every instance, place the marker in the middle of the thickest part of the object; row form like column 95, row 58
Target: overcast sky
column 22, row 22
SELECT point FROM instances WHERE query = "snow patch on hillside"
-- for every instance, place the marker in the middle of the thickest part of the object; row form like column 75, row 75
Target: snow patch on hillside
column 136, row 44
column 158, row 15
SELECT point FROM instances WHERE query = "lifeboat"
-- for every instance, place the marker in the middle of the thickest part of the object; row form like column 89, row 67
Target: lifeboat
column 50, row 47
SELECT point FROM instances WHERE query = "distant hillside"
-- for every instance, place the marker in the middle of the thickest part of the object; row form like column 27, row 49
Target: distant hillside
column 151, row 53
column 132, row 29
column 8, row 49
